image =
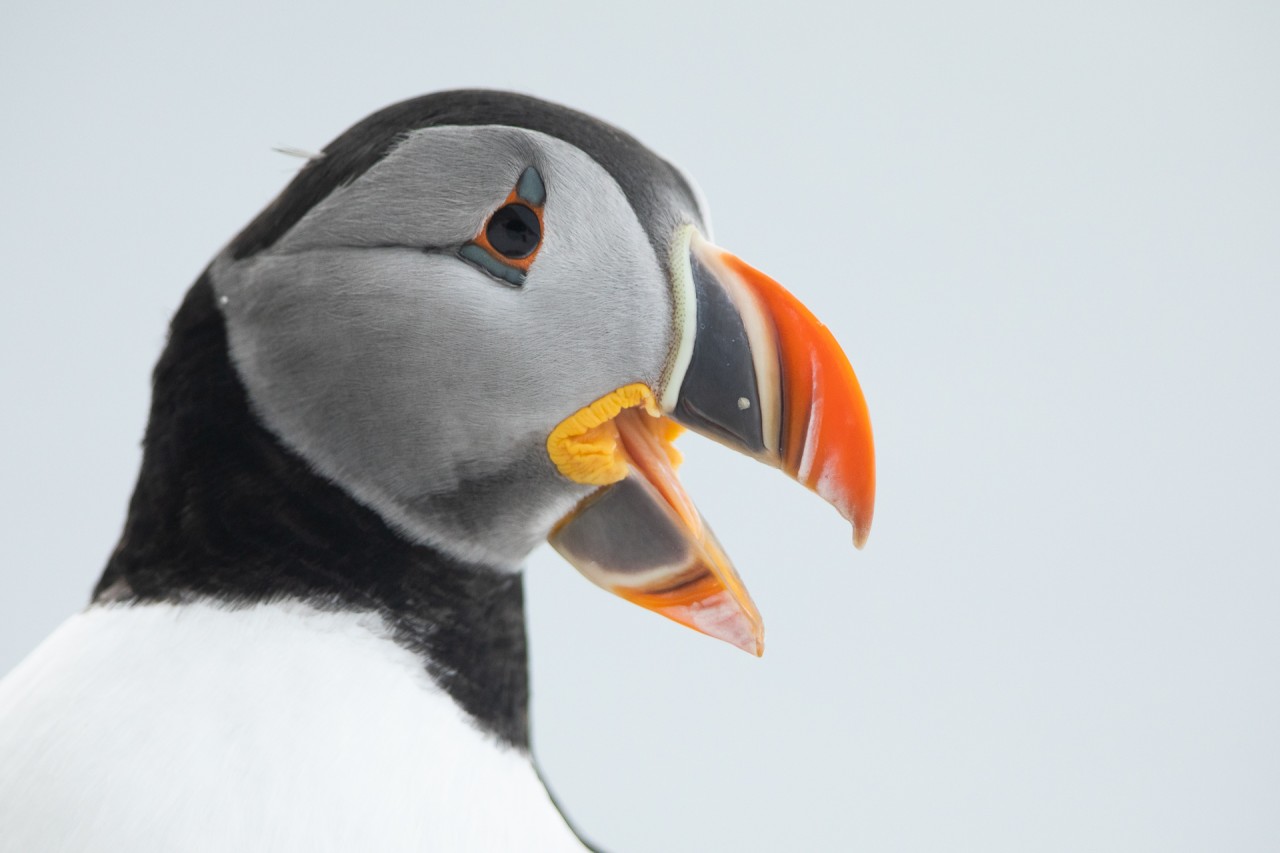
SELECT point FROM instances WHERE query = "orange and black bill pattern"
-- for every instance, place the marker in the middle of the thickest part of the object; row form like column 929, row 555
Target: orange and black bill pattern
column 768, row 378
column 753, row 369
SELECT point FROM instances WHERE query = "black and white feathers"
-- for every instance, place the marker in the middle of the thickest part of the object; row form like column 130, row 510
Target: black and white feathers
column 311, row 633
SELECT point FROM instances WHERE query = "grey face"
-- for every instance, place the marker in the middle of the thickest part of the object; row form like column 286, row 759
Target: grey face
column 423, row 385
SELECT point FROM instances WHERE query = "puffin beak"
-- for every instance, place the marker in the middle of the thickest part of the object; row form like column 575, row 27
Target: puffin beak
column 754, row 370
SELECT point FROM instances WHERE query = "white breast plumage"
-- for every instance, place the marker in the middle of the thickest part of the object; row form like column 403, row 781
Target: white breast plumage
column 273, row 727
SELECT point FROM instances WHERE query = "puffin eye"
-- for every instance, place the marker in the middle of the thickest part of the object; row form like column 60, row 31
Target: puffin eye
column 508, row 244
column 514, row 231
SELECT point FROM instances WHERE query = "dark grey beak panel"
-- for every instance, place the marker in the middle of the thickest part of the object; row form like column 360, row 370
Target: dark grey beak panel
column 630, row 529
column 719, row 394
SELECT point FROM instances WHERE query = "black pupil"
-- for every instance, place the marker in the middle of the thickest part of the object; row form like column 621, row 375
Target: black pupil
column 514, row 231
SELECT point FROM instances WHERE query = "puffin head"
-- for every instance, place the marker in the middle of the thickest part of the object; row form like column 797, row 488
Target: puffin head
column 486, row 317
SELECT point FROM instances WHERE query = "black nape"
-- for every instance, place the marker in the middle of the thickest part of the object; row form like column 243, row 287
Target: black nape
column 222, row 510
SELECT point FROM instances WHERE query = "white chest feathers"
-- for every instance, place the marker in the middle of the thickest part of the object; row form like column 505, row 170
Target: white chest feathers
column 273, row 728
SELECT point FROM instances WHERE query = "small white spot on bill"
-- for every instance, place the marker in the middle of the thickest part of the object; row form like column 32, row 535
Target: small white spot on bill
column 744, row 403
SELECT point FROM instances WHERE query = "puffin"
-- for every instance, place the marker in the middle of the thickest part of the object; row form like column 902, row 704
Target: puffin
column 473, row 323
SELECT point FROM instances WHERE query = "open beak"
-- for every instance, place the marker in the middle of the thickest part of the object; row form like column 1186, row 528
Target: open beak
column 753, row 369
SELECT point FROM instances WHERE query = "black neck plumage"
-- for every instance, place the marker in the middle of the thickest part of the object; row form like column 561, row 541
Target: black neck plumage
column 224, row 511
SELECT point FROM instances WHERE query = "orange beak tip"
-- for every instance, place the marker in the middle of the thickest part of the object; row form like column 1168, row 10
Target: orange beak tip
column 751, row 644
column 755, row 646
column 728, row 618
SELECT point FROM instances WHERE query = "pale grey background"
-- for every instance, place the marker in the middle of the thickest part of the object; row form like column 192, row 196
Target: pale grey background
column 1050, row 241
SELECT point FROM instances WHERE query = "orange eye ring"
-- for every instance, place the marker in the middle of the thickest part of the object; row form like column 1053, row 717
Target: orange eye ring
column 529, row 196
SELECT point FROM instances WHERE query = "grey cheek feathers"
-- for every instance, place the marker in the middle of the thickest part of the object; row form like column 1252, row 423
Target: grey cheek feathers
column 420, row 385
